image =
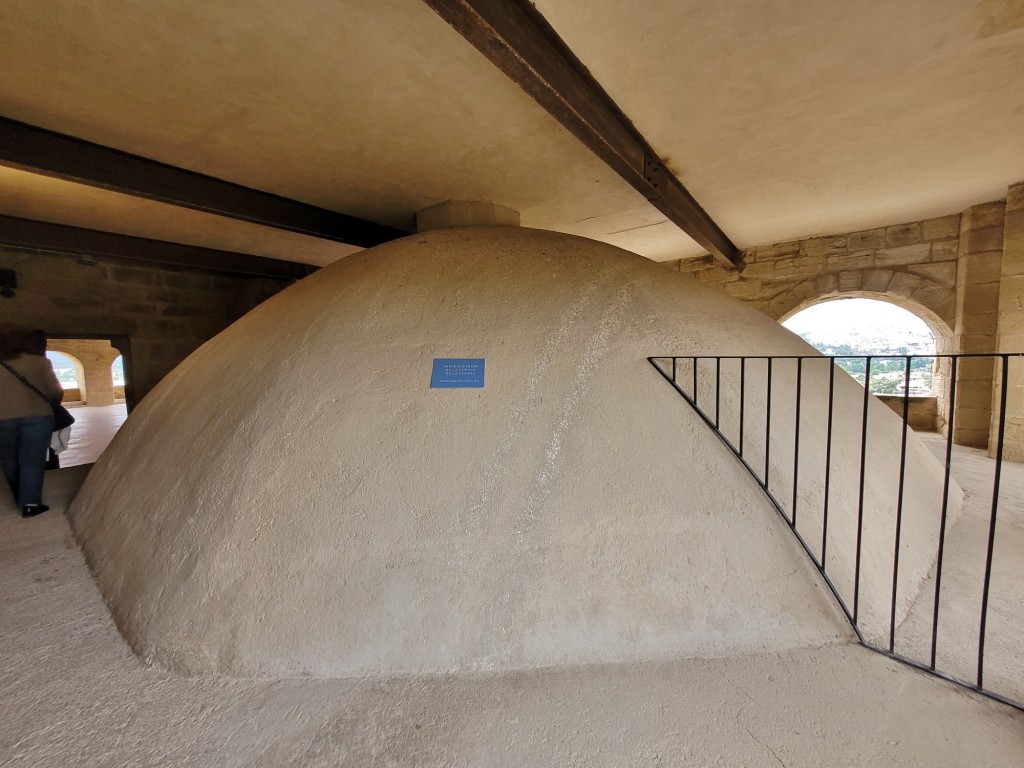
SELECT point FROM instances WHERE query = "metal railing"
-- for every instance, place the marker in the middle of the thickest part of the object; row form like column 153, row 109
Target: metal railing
column 787, row 419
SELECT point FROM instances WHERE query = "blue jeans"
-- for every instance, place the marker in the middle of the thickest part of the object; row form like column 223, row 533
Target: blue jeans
column 23, row 444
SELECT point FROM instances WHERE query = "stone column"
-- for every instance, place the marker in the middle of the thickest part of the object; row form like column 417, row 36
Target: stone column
column 1011, row 324
column 977, row 316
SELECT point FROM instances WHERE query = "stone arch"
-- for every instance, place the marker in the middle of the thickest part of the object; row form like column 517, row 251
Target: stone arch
column 95, row 357
column 80, row 384
column 941, row 330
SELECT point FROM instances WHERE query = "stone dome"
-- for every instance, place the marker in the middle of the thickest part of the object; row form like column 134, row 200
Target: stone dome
column 295, row 499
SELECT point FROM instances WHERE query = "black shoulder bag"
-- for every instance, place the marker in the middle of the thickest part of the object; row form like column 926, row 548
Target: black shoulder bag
column 61, row 416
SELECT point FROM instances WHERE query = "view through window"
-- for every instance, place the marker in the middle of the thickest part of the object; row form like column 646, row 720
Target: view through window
column 117, row 371
column 64, row 367
column 861, row 327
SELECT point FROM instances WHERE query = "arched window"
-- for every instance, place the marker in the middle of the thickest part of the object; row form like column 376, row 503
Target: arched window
column 860, row 327
column 117, row 371
column 69, row 371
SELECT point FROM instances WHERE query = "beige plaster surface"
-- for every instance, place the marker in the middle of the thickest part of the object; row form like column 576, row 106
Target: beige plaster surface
column 311, row 506
column 791, row 119
column 785, row 120
column 376, row 108
column 72, row 693
column 920, row 511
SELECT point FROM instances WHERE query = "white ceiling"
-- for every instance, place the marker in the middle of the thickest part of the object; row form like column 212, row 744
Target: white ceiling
column 784, row 119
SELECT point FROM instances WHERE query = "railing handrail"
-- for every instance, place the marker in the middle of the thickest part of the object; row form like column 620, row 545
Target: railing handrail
column 672, row 376
column 822, row 356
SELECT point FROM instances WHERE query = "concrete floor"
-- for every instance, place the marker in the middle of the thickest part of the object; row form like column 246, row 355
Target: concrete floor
column 963, row 579
column 72, row 693
column 94, row 428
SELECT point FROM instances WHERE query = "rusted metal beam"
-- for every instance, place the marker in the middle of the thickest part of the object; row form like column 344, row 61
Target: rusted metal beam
column 29, row 148
column 521, row 43
column 60, row 238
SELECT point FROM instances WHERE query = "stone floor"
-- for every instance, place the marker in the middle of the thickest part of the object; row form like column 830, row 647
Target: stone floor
column 94, row 428
column 72, row 693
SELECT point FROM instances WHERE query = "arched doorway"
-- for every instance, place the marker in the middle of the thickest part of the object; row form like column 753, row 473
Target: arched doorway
column 117, row 377
column 859, row 326
column 71, row 375
column 98, row 397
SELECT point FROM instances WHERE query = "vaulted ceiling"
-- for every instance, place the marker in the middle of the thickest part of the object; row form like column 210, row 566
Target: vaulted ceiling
column 783, row 119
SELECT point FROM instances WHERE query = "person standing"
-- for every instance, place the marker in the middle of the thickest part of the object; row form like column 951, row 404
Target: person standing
column 28, row 386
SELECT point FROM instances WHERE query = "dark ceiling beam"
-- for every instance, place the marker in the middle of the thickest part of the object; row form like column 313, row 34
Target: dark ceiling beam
column 521, row 43
column 60, row 238
column 29, row 148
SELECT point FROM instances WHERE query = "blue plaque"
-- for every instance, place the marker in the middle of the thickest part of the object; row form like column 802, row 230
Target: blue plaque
column 457, row 373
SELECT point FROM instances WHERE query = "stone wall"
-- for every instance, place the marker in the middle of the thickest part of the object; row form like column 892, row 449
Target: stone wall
column 914, row 265
column 1011, row 319
column 977, row 316
column 164, row 313
column 922, row 412
column 963, row 274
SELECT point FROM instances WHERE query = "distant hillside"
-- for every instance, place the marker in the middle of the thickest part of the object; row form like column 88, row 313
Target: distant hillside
column 862, row 327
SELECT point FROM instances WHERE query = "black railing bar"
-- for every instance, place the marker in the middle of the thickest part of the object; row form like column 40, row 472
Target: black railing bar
column 698, row 409
column 943, row 356
column 655, row 361
column 992, row 518
column 945, row 508
column 796, row 437
column 695, row 359
column 899, row 507
column 828, row 463
column 743, row 391
column 718, row 389
column 944, row 675
column 977, row 688
column 768, row 423
column 860, row 498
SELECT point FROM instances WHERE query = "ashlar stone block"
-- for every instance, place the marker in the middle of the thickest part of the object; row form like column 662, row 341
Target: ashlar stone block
column 745, row 289
column 904, row 284
column 902, row 234
column 855, row 260
column 944, row 274
column 826, row 284
column 978, row 240
column 876, row 280
column 775, row 250
column 869, row 239
column 849, row 281
column 981, row 297
column 942, row 228
column 947, row 250
column 976, row 343
column 823, row 246
column 1015, row 196
column 798, row 266
column 907, row 254
column 930, row 294
column 1011, row 327
column 983, row 216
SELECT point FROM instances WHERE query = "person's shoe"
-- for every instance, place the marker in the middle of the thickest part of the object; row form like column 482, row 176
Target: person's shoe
column 31, row 510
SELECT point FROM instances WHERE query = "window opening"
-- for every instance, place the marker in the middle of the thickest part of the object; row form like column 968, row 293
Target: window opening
column 861, row 327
